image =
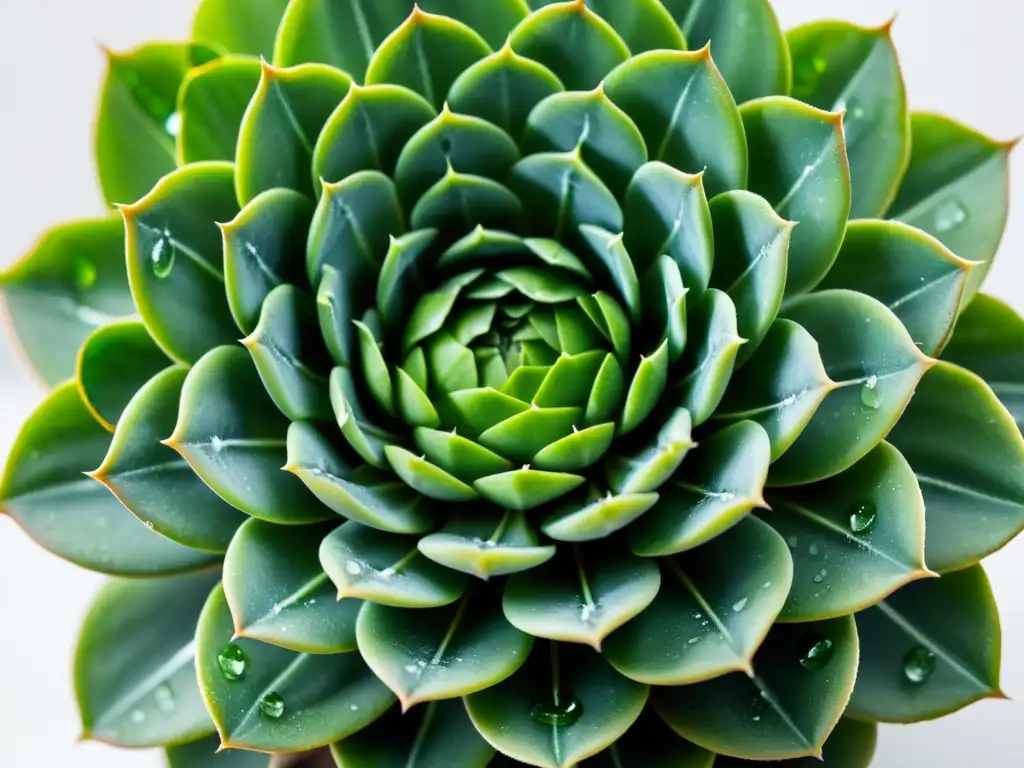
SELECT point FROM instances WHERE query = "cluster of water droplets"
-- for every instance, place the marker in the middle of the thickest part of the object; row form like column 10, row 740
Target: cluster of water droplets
column 233, row 665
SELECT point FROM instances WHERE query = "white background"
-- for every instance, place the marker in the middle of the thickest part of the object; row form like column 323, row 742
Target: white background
column 965, row 59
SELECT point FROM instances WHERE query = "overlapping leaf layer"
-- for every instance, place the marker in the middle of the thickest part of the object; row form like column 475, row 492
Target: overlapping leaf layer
column 476, row 384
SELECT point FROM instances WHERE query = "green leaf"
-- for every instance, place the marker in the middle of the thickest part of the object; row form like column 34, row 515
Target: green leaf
column 176, row 259
column 426, row 53
column 211, row 104
column 842, row 67
column 650, row 464
column 709, row 617
column 233, row 437
column 649, row 743
column 262, row 250
column 751, row 258
column 503, row 89
column 137, row 119
column 798, row 163
column 875, row 365
column 317, row 699
column 989, row 340
column 401, row 279
column 589, row 515
column 576, row 44
column 438, row 735
column 241, row 26
column 283, row 121
column 523, row 489
column 645, row 25
column 918, row 664
column 463, row 458
column 735, row 28
column 427, row 478
column 493, row 22
column 134, row 664
column 486, row 544
column 909, row 271
column 686, row 114
column 72, row 282
column 577, row 599
column 75, row 517
column 365, row 438
column 973, row 489
column 441, row 653
column 460, row 200
column 279, row 594
column 713, row 324
column 581, row 449
column 855, row 538
column 802, row 678
column 154, row 482
column 205, row 754
column 957, row 189
column 790, row 385
column 850, row 745
column 719, row 485
column 113, row 363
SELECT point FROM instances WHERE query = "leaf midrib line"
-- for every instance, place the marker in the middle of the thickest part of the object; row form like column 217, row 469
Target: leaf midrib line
column 148, row 684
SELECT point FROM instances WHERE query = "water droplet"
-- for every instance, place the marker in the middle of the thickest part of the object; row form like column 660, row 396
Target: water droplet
column 693, row 640
column 353, row 568
column 918, row 664
column 819, row 654
column 563, row 713
column 863, row 517
column 162, row 256
column 813, row 550
column 232, row 662
column 820, row 576
column 586, row 612
column 739, row 605
column 354, row 707
column 272, row 706
column 137, row 716
column 950, row 215
column 85, row 274
column 869, row 393
column 793, row 542
column 165, row 698
column 766, row 585
column 149, row 524
column 173, row 125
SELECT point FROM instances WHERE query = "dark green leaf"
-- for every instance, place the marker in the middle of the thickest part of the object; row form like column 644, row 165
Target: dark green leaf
column 205, row 754
column 650, row 464
column 211, row 105
column 241, row 26
column 711, row 356
column 459, row 201
column 645, row 25
column 649, row 743
column 850, row 745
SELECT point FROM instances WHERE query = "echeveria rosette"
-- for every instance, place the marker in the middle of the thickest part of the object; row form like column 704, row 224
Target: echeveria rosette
column 512, row 383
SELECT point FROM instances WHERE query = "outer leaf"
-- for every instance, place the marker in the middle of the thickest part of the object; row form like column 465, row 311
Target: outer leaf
column 645, row 25
column 876, row 367
column 73, row 516
column 972, row 484
column 72, row 282
column 916, row 663
column 325, row 698
column 204, row 754
column 113, row 363
column 686, row 114
column 234, row 439
column 850, row 745
column 134, row 674
column 856, row 537
column 608, row 702
column 154, row 482
column 956, row 188
column 709, row 617
column 241, row 26
column 909, row 271
column 798, row 163
column 649, row 743
column 785, row 709
column 493, row 22
column 176, row 262
column 211, row 104
column 279, row 594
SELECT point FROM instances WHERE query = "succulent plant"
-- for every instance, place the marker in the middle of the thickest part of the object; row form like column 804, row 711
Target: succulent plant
column 500, row 383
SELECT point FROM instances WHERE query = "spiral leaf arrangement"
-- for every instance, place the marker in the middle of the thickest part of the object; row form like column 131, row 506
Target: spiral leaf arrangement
column 494, row 383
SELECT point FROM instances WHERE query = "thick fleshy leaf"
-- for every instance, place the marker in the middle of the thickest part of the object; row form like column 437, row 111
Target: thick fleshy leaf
column 279, row 594
column 649, row 743
column 137, row 118
column 460, row 200
column 957, row 189
column 525, row 716
column 645, row 25
column 523, row 489
column 841, row 67
column 365, row 438
column 582, row 596
column 211, row 104
column 918, row 664
column 233, row 437
column 72, row 282
column 75, row 517
column 709, row 617
column 263, row 697
column 711, row 356
column 798, row 163
column 487, row 545
column 283, row 121
column 989, row 340
column 735, row 28
column 718, row 485
column 850, row 745
column 241, row 26
column 154, row 482
column 971, row 480
column 686, row 114
column 113, row 363
column 609, row 253
column 790, row 385
column 589, row 515
column 176, row 259
column 801, row 681
column 437, row 735
column 875, row 365
column 441, row 653
column 909, row 271
column 134, row 665
column 855, row 538
column 206, row 753
column 648, row 466
column 426, row 477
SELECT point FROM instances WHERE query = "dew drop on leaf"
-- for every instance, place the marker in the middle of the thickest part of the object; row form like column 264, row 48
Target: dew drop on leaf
column 869, row 393
column 793, row 542
column 173, row 125
column 918, row 664
column 162, row 256
column 232, row 662
column 564, row 712
column 950, row 215
column 739, row 605
column 137, row 717
column 863, row 517
column 272, row 706
column 165, row 698
column 818, row 655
